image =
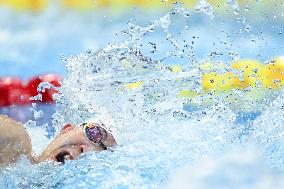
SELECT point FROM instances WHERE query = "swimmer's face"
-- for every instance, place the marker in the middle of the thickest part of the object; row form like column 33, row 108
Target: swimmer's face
column 73, row 141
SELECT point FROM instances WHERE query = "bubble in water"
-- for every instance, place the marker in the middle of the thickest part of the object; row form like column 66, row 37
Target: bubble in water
column 268, row 132
column 37, row 97
column 235, row 6
column 205, row 7
column 38, row 114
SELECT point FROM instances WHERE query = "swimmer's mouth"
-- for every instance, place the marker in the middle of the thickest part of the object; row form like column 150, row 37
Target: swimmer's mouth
column 63, row 156
column 66, row 155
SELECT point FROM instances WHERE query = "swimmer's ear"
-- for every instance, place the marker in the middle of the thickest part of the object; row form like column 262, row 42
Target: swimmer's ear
column 66, row 128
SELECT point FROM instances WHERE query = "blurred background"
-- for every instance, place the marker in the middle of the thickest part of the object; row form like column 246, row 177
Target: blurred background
column 36, row 36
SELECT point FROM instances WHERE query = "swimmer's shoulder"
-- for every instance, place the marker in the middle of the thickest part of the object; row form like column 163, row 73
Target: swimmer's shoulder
column 14, row 140
column 7, row 122
column 11, row 130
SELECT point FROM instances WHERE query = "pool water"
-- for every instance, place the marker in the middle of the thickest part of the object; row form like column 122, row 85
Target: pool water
column 164, row 142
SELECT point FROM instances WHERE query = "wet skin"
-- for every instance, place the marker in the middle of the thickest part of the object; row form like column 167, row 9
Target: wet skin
column 14, row 141
column 72, row 141
column 67, row 145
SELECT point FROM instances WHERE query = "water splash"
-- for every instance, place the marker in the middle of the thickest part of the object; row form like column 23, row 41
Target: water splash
column 241, row 168
column 268, row 132
column 235, row 6
column 135, row 95
column 205, row 7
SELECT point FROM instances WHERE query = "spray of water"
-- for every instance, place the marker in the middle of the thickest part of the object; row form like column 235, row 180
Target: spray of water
column 135, row 96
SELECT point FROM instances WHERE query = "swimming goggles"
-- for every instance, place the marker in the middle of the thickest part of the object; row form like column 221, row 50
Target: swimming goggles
column 95, row 133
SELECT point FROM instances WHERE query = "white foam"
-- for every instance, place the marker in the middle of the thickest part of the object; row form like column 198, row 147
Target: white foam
column 241, row 168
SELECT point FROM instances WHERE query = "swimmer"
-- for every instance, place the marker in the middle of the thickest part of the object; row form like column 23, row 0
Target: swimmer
column 69, row 143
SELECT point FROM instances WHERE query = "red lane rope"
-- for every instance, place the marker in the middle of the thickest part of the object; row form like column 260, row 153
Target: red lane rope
column 14, row 91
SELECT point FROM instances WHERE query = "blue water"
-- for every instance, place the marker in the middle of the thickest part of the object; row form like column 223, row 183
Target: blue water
column 164, row 141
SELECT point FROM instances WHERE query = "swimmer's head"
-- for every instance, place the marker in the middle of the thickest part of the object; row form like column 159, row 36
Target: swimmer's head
column 75, row 140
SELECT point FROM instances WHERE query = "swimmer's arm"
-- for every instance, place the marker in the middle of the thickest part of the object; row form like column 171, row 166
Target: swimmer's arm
column 14, row 141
